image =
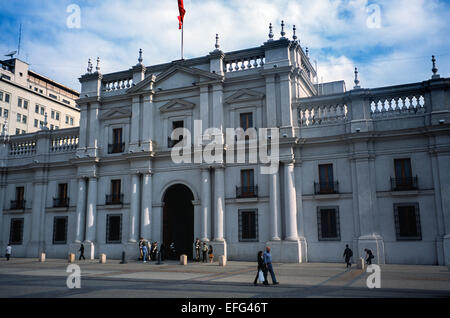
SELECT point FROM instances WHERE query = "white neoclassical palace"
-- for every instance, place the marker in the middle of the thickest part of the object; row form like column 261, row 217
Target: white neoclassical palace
column 364, row 167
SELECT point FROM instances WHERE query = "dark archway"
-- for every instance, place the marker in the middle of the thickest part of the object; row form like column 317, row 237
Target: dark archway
column 178, row 220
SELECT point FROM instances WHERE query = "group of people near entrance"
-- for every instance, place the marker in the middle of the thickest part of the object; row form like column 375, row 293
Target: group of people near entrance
column 148, row 251
column 203, row 249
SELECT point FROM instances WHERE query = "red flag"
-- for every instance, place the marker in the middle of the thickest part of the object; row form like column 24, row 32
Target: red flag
column 182, row 12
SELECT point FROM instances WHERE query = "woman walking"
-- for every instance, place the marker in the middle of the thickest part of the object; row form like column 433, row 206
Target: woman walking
column 261, row 268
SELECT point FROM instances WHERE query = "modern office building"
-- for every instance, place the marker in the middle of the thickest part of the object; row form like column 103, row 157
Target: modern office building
column 26, row 97
column 364, row 167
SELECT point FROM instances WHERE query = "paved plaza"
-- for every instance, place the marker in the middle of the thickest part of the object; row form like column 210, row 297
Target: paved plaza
column 24, row 277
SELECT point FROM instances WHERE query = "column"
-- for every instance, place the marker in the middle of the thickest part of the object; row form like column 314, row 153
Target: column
column 147, row 129
column 94, row 129
column 146, row 215
column 290, row 202
column 271, row 104
column 206, row 205
column 83, row 128
column 285, row 104
column 217, row 110
column 219, row 199
column 134, row 129
column 80, row 212
column 134, row 208
column 157, row 222
column 274, row 199
column 204, row 106
column 91, row 210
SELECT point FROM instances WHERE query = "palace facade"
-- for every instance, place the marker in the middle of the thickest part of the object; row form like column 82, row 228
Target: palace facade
column 364, row 167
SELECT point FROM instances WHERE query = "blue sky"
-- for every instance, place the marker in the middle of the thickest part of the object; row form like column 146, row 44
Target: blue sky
column 390, row 41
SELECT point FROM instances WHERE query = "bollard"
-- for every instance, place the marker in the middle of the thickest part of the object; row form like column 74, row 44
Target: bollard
column 183, row 259
column 42, row 257
column 222, row 260
column 124, row 260
column 71, row 257
column 361, row 264
column 102, row 259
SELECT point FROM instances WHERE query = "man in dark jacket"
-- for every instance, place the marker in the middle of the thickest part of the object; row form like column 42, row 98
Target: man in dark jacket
column 348, row 254
column 369, row 256
column 261, row 267
column 81, row 250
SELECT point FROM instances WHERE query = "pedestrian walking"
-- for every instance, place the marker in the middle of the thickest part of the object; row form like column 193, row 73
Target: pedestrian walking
column 369, row 256
column 144, row 253
column 81, row 250
column 262, row 270
column 197, row 249
column 268, row 262
column 210, row 254
column 204, row 252
column 348, row 253
column 154, row 250
column 8, row 252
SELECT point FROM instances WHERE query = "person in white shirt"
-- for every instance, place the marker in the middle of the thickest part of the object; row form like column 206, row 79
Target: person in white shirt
column 8, row 252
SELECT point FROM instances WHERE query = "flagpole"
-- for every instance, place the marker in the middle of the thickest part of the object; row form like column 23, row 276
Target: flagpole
column 182, row 38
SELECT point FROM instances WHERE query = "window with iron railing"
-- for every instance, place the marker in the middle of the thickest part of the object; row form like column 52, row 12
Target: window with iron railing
column 326, row 184
column 172, row 142
column 247, row 188
column 19, row 202
column 403, row 180
column 117, row 145
column 116, row 197
column 16, row 231
column 113, row 228
column 328, row 223
column 407, row 221
column 60, row 230
column 62, row 200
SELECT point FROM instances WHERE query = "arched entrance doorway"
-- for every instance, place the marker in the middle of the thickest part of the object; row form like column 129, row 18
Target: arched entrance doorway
column 178, row 220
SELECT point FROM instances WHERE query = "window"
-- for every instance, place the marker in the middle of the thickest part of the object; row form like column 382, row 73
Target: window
column 1, row 96
column 328, row 223
column 57, row 115
column 65, row 101
column 52, row 115
column 403, row 176
column 71, row 121
column 248, row 225
column 36, row 123
column 24, row 119
column 42, row 110
column 67, row 119
column 175, row 125
column 19, row 202
column 53, row 96
column 60, row 230
column 247, row 188
column 41, row 124
column 35, row 89
column 407, row 221
column 41, row 91
column 115, row 197
column 117, row 145
column 36, row 109
column 62, row 199
column 51, row 126
column 25, row 104
column 19, row 118
column 19, row 102
column 326, row 181
column 16, row 232
column 5, row 113
column 0, row 111
column 17, row 131
column 24, row 132
column 113, row 228
column 246, row 120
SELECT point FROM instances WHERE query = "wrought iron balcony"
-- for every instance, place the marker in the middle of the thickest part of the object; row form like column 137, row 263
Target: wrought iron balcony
column 172, row 142
column 116, row 148
column 404, row 184
column 247, row 192
column 114, row 199
column 60, row 202
column 18, row 204
column 329, row 187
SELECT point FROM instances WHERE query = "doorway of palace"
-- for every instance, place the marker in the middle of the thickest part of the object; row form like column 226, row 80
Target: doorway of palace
column 178, row 221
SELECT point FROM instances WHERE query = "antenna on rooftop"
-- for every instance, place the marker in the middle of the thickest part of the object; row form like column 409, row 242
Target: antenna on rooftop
column 20, row 39
column 11, row 54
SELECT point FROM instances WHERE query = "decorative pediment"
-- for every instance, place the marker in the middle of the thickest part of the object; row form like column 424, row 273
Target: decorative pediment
column 192, row 71
column 115, row 113
column 176, row 105
column 244, row 95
